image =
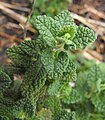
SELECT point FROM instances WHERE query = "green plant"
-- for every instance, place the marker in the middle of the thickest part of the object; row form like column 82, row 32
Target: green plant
column 49, row 73
column 86, row 96
column 49, row 7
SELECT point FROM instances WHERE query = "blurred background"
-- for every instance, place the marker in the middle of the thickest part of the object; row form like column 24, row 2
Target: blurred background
column 14, row 14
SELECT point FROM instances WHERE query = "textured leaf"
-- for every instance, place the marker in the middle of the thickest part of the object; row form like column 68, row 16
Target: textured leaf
column 61, row 63
column 53, row 103
column 3, row 118
column 54, row 88
column 83, row 37
column 94, row 78
column 47, row 59
column 55, row 67
column 71, row 95
column 64, row 19
column 80, row 116
column 99, row 102
column 70, row 73
column 5, row 81
column 46, row 26
column 34, row 79
column 23, row 54
column 65, row 115
column 6, row 105
column 66, row 34
column 44, row 114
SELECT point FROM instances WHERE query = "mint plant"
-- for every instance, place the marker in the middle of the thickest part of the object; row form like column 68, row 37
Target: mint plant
column 86, row 98
column 48, row 89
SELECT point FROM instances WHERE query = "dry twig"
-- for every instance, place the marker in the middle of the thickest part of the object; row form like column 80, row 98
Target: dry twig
column 94, row 11
column 95, row 54
column 89, row 57
column 99, row 29
column 14, row 7
column 9, row 37
column 22, row 20
column 26, row 24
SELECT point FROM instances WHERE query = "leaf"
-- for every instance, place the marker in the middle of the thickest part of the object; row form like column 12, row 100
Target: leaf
column 70, row 72
column 65, row 115
column 55, row 66
column 24, row 54
column 64, row 19
column 61, row 64
column 7, row 107
column 47, row 59
column 34, row 79
column 44, row 114
column 98, row 101
column 67, row 33
column 5, row 81
column 71, row 95
column 46, row 27
column 54, row 88
column 83, row 37
column 54, row 104
column 94, row 76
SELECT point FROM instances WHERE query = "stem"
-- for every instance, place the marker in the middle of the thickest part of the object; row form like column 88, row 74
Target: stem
column 30, row 14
